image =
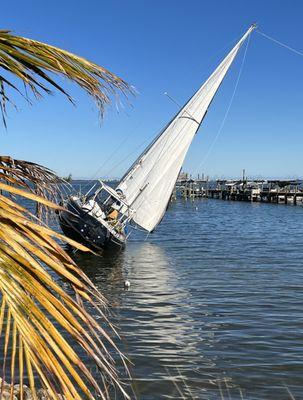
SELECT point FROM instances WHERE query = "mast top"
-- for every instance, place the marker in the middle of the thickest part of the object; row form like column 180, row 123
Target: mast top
column 149, row 183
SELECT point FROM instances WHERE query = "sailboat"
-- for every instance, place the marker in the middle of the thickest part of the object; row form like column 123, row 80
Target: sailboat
column 101, row 217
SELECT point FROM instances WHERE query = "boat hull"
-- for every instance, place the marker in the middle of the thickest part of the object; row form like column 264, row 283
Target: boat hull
column 80, row 226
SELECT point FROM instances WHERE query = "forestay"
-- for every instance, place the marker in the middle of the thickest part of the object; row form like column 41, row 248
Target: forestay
column 148, row 185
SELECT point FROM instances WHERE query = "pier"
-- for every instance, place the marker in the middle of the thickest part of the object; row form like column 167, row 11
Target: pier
column 267, row 191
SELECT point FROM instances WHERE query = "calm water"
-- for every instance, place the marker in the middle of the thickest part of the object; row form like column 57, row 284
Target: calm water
column 215, row 303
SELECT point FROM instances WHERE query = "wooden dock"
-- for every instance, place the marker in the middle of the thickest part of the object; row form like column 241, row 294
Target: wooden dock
column 267, row 191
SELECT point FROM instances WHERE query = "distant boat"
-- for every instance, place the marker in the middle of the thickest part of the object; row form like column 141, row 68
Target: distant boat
column 101, row 216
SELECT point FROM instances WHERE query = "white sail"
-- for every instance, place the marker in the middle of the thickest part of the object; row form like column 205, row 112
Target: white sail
column 148, row 185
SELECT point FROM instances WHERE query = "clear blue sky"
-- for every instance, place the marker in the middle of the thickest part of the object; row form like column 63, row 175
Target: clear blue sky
column 160, row 46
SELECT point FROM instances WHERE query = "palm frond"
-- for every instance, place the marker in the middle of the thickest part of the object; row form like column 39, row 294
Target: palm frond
column 35, row 310
column 33, row 177
column 31, row 61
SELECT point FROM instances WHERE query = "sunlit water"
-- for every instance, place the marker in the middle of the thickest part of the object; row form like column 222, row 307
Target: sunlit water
column 215, row 307
column 215, row 304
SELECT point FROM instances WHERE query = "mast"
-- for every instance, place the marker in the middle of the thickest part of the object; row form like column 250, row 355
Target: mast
column 148, row 184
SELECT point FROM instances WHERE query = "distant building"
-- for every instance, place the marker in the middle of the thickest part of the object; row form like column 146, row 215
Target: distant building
column 183, row 176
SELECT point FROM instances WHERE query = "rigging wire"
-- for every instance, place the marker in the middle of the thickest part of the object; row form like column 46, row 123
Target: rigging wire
column 209, row 62
column 163, row 147
column 233, row 95
column 300, row 53
column 223, row 121
column 93, row 177
column 227, row 110
column 135, row 150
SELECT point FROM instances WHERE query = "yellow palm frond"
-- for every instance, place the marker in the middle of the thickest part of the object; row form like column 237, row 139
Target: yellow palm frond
column 42, row 327
column 31, row 61
column 44, row 296
column 33, row 177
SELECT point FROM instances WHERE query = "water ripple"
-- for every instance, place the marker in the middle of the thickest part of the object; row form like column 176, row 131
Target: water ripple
column 215, row 301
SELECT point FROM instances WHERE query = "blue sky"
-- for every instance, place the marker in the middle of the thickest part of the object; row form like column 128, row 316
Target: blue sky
column 160, row 46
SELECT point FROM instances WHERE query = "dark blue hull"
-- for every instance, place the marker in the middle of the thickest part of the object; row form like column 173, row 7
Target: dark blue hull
column 80, row 226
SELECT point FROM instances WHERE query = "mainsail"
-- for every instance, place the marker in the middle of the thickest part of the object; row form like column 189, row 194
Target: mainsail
column 149, row 183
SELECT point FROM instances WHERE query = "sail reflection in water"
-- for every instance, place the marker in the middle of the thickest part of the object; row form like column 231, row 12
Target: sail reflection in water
column 216, row 292
column 159, row 335
column 165, row 331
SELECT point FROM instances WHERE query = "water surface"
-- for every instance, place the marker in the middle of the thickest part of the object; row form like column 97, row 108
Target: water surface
column 215, row 302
